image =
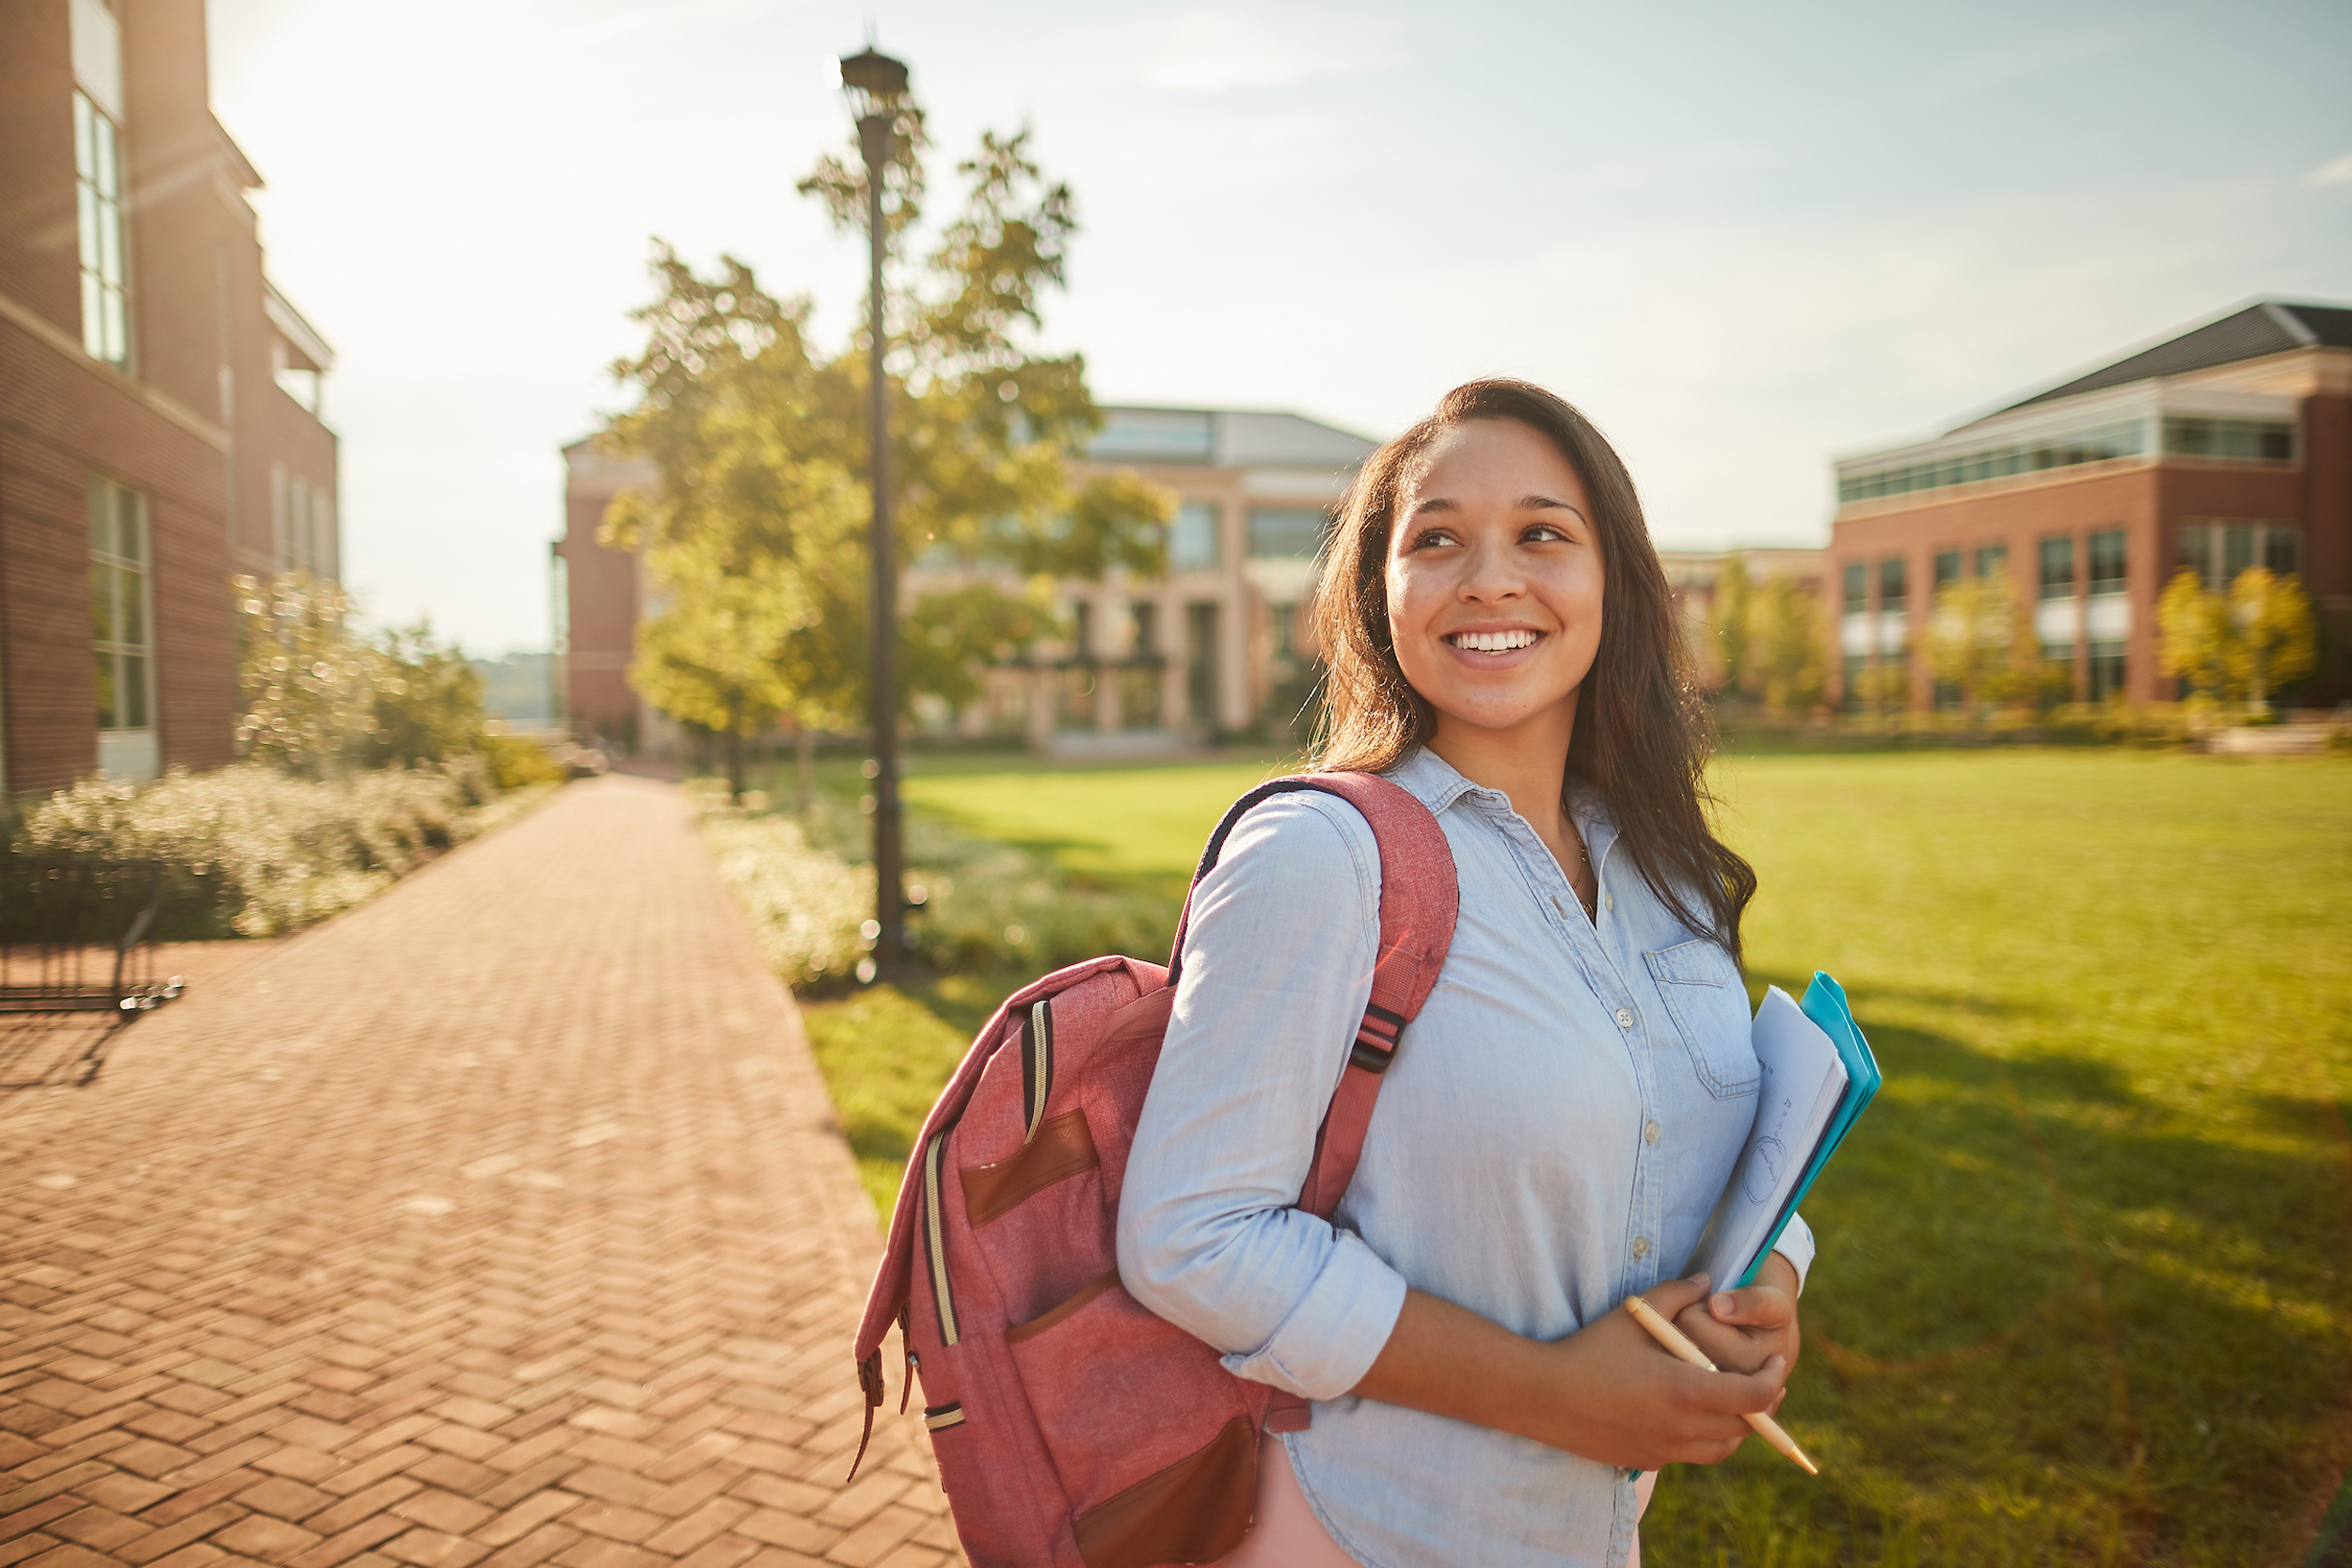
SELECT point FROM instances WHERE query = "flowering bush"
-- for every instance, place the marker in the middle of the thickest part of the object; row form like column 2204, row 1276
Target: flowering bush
column 976, row 904
column 251, row 850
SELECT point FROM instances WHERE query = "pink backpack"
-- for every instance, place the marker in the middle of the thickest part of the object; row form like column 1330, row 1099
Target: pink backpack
column 1073, row 1427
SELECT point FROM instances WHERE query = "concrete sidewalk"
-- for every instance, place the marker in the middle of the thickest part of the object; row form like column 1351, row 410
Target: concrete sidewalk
column 501, row 1222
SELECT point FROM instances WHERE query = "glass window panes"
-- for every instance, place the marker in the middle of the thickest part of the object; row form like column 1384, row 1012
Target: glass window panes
column 2283, row 550
column 1946, row 569
column 1192, row 538
column 2257, row 440
column 2218, row 549
column 2106, row 670
column 98, row 178
column 1891, row 583
column 1287, row 531
column 1857, row 591
column 2106, row 561
column 2100, row 444
column 1991, row 559
column 2058, row 566
column 119, row 637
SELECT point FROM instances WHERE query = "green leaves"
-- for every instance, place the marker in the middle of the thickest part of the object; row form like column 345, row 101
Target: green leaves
column 758, row 534
column 2241, row 646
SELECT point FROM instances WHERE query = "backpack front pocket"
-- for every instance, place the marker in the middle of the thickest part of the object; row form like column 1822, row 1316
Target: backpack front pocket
column 1153, row 1440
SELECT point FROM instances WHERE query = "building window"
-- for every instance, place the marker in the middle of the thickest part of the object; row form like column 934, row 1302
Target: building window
column 1947, row 570
column 2106, row 670
column 2218, row 549
column 2106, row 561
column 121, row 607
column 2101, row 444
column 1891, row 586
column 1192, row 538
column 1287, row 531
column 1147, row 626
column 106, row 271
column 1991, row 559
column 1082, row 630
column 1200, row 667
column 2058, row 566
column 1857, row 590
column 2255, row 441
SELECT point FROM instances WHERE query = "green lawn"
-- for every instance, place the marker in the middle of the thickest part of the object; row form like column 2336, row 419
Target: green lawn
column 2085, row 1292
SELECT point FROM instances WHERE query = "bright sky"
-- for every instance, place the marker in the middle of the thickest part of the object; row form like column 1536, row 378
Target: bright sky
column 1744, row 238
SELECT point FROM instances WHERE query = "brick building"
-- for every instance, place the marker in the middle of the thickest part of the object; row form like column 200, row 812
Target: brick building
column 159, row 413
column 2227, row 445
column 1218, row 644
column 599, row 594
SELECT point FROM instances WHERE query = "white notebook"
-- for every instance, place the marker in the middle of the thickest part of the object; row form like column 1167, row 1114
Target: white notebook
column 1802, row 1083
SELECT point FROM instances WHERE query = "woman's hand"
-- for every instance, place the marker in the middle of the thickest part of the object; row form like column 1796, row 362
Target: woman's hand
column 1608, row 1392
column 1740, row 1330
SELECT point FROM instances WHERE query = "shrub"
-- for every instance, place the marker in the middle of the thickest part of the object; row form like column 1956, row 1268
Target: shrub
column 983, row 904
column 251, row 850
column 515, row 763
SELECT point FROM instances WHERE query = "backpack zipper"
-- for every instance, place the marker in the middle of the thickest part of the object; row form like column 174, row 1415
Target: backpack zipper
column 934, row 1234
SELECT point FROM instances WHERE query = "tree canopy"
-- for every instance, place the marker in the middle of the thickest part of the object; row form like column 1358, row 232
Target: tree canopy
column 756, row 533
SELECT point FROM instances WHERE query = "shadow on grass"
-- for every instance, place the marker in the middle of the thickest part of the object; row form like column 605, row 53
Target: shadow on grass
column 2052, row 1322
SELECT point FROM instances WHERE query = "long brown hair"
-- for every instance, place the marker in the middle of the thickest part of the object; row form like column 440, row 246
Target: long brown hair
column 1642, row 737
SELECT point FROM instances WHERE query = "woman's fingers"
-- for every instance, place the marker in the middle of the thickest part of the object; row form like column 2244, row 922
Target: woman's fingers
column 1670, row 1296
column 1751, row 1306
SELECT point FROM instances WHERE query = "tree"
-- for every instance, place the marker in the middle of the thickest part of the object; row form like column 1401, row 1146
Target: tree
column 1734, row 592
column 2274, row 639
column 2196, row 636
column 319, row 698
column 1788, row 662
column 760, row 444
column 716, row 652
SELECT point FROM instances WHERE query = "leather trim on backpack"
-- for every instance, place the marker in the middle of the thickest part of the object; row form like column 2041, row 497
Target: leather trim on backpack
column 1058, row 1149
column 1195, row 1511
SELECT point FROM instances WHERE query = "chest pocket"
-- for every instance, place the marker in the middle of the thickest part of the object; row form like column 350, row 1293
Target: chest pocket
column 1709, row 1008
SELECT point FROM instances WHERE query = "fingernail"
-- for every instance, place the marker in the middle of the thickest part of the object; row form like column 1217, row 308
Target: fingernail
column 1723, row 1303
column 1701, row 1280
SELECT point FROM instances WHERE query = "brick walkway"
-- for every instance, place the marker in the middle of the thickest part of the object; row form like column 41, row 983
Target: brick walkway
column 500, row 1222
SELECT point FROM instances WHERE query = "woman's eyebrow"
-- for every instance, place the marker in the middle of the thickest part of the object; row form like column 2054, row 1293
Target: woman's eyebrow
column 1435, row 504
column 1537, row 504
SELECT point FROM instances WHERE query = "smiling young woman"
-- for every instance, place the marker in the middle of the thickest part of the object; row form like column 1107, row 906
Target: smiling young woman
column 1559, row 1118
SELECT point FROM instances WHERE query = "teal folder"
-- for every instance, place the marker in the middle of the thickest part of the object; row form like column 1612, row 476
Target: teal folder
column 1825, row 1005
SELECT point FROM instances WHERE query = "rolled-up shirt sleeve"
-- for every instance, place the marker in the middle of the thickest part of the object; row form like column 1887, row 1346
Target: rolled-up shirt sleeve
column 1796, row 1245
column 1277, row 968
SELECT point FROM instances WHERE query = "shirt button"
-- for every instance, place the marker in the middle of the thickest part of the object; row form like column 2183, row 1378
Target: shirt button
column 1649, row 1133
column 1625, row 1018
column 1640, row 1247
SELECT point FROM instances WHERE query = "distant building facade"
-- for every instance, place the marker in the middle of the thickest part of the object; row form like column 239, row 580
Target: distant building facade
column 599, row 594
column 1217, row 645
column 2225, row 446
column 159, row 399
column 1695, row 577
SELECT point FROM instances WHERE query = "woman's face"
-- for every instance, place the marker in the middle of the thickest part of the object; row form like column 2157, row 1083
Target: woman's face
column 1495, row 581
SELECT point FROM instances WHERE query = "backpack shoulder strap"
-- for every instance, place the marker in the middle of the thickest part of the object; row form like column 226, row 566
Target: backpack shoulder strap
column 1419, row 897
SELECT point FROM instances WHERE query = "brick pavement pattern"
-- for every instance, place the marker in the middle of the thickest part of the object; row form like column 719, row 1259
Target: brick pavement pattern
column 500, row 1222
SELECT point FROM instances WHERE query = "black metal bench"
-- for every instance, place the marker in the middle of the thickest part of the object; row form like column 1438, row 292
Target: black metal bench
column 78, row 960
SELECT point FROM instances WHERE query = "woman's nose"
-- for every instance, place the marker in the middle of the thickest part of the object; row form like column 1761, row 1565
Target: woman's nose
column 1490, row 575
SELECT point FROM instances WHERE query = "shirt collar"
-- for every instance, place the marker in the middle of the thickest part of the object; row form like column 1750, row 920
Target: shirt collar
column 1438, row 784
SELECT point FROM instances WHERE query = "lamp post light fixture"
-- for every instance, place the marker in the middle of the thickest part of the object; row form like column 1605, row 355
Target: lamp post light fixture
column 875, row 84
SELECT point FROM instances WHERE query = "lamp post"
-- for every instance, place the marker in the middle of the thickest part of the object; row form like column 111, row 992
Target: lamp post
column 874, row 84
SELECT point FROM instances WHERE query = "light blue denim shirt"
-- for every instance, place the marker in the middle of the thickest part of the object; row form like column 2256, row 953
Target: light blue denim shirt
column 1555, row 1130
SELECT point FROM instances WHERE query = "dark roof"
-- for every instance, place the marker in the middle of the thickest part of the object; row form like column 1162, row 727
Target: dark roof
column 2267, row 326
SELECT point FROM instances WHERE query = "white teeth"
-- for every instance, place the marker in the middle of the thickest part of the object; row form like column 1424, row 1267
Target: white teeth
column 1493, row 641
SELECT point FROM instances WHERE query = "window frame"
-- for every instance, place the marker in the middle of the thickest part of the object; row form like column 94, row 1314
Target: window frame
column 102, row 238
column 108, row 653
